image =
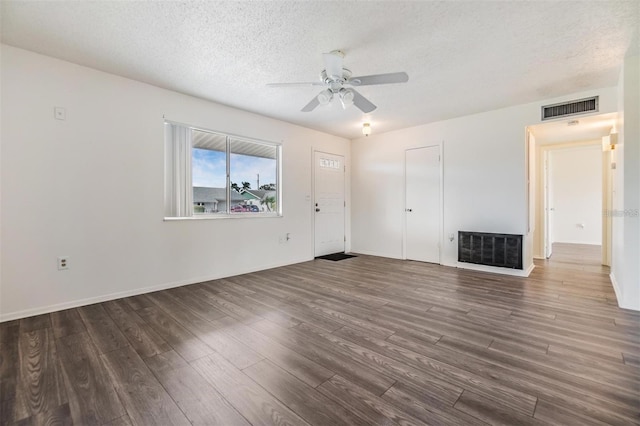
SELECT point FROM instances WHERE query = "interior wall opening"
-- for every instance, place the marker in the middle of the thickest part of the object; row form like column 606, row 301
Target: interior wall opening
column 570, row 165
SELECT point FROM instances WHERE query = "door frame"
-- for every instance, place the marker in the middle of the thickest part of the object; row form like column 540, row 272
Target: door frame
column 547, row 244
column 606, row 197
column 440, row 146
column 312, row 204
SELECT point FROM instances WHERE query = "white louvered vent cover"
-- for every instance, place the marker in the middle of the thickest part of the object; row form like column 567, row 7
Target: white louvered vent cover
column 580, row 106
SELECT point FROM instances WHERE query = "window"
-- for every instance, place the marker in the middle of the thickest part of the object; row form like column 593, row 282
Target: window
column 211, row 174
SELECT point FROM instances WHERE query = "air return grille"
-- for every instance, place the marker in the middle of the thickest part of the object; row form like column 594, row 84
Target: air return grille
column 504, row 250
column 581, row 106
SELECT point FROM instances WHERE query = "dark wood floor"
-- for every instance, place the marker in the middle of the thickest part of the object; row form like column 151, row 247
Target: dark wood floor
column 361, row 341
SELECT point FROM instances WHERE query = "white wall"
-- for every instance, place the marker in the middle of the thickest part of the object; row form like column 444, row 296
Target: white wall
column 577, row 194
column 484, row 177
column 91, row 188
column 625, row 267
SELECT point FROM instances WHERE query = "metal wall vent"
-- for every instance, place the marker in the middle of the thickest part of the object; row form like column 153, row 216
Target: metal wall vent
column 580, row 106
column 504, row 250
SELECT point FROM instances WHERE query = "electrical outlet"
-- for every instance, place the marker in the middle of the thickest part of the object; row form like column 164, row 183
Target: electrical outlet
column 60, row 113
column 63, row 263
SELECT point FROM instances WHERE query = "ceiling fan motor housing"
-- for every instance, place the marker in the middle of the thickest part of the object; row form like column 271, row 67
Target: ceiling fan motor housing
column 335, row 83
column 334, row 77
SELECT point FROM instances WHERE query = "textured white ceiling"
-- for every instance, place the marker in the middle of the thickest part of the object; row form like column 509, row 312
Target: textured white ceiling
column 461, row 57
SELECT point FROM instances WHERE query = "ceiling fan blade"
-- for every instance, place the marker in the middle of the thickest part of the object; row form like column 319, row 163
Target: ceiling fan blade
column 362, row 103
column 333, row 63
column 368, row 80
column 305, row 84
column 311, row 105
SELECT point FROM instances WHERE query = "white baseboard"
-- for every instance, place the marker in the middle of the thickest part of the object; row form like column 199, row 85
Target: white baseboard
column 530, row 269
column 496, row 270
column 377, row 254
column 461, row 265
column 616, row 287
column 619, row 296
column 582, row 243
column 143, row 290
column 635, row 307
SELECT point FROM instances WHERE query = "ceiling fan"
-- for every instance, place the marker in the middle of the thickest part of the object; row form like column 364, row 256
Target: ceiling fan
column 339, row 83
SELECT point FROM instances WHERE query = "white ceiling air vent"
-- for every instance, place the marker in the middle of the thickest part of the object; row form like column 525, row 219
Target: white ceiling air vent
column 580, row 106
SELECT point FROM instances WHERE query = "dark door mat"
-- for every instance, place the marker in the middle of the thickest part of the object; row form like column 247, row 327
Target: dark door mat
column 336, row 256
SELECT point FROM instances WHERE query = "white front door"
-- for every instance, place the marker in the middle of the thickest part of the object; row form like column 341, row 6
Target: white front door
column 422, row 205
column 329, row 203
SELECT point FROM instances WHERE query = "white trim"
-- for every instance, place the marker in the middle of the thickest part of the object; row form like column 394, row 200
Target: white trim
column 530, row 269
column 461, row 265
column 496, row 270
column 578, row 242
column 376, row 254
column 225, row 216
column 619, row 298
column 403, row 255
column 441, row 161
column 607, row 205
column 547, row 242
column 118, row 295
column 312, row 204
column 545, row 151
column 616, row 288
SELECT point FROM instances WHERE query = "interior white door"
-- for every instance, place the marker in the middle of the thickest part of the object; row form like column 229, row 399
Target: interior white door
column 422, row 205
column 548, row 207
column 329, row 202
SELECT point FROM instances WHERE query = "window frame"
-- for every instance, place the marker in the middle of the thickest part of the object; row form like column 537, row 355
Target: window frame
column 228, row 140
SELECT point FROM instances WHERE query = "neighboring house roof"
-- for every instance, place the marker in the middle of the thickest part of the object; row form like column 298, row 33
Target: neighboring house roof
column 249, row 194
column 203, row 194
column 261, row 193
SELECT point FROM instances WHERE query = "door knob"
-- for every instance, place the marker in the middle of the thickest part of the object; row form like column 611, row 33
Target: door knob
column 408, row 210
column 317, row 209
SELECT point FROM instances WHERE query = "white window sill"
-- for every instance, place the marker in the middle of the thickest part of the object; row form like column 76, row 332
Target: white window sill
column 225, row 216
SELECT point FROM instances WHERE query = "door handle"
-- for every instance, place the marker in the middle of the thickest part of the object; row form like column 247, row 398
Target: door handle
column 408, row 210
column 317, row 209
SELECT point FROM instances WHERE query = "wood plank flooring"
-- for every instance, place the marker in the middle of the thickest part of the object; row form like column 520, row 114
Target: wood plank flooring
column 362, row 341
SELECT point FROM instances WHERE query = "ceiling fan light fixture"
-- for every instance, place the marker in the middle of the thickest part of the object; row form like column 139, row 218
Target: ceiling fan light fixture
column 335, row 76
column 346, row 97
column 325, row 97
column 366, row 129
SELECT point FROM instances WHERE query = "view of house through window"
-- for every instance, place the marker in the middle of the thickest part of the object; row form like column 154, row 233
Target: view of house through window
column 209, row 172
column 253, row 170
column 229, row 175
